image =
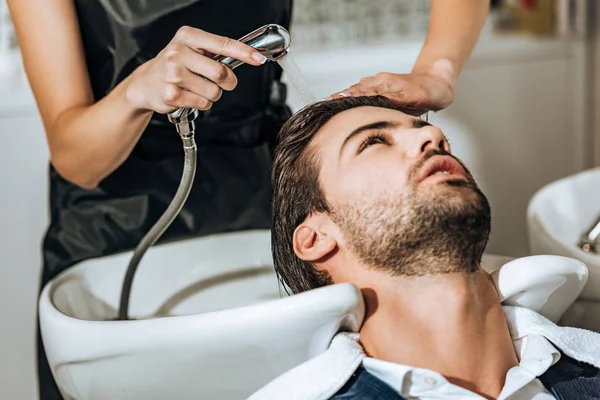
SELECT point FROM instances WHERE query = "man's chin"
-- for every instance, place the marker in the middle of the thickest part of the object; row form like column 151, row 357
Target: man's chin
column 451, row 197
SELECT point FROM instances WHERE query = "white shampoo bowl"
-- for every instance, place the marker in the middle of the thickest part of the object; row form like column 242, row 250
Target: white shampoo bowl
column 557, row 215
column 210, row 323
column 187, row 342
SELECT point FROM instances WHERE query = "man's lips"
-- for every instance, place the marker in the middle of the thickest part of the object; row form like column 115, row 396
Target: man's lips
column 441, row 167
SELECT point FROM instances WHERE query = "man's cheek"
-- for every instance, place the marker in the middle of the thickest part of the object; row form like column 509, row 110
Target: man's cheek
column 365, row 185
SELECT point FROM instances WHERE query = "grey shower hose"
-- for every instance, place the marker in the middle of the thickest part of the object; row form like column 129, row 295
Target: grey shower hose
column 183, row 191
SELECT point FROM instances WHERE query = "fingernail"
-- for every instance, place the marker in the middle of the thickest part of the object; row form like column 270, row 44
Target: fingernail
column 258, row 57
column 343, row 94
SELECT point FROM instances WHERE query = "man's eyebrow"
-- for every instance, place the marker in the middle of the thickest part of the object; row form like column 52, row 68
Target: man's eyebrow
column 379, row 125
column 419, row 123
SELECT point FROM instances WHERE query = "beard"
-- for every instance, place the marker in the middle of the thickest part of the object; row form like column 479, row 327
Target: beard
column 417, row 232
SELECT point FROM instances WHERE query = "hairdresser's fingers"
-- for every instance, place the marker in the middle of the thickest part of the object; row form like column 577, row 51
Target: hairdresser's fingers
column 411, row 102
column 182, row 58
column 360, row 89
column 421, row 91
column 200, row 40
column 175, row 97
column 379, row 79
column 187, row 80
column 375, row 89
column 365, row 87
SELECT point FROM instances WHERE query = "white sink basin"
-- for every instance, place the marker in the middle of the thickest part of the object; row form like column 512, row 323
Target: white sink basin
column 210, row 323
column 188, row 341
column 558, row 214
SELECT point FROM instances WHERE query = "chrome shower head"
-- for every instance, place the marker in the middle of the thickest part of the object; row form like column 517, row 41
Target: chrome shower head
column 272, row 40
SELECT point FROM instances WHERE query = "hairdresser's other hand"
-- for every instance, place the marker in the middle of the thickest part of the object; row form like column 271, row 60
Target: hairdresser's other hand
column 426, row 89
column 184, row 73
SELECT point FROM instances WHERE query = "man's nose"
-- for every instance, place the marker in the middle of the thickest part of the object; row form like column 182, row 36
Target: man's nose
column 428, row 138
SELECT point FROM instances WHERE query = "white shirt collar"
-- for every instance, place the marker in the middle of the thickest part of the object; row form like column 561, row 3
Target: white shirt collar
column 536, row 354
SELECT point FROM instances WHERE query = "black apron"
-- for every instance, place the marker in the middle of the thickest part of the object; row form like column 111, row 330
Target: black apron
column 235, row 139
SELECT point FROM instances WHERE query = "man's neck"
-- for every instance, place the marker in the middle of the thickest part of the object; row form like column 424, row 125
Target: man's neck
column 453, row 324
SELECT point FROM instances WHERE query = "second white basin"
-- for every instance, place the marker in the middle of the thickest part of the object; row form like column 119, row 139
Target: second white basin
column 557, row 215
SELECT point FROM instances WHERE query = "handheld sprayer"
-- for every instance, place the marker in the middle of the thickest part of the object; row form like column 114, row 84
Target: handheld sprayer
column 273, row 41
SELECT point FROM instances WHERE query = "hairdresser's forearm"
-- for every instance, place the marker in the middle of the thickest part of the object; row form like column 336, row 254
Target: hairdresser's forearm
column 454, row 27
column 88, row 143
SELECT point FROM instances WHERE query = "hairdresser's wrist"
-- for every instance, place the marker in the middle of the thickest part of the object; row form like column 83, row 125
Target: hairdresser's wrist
column 441, row 69
column 134, row 89
column 442, row 75
column 125, row 111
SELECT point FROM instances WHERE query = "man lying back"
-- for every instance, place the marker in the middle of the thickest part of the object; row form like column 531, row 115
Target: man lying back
column 367, row 194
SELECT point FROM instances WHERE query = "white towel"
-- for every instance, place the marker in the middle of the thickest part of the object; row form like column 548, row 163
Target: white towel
column 579, row 344
column 321, row 377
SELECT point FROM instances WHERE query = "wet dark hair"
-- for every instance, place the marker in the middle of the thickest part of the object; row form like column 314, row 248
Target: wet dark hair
column 296, row 189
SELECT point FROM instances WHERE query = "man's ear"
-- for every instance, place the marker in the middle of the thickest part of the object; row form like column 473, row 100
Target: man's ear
column 313, row 239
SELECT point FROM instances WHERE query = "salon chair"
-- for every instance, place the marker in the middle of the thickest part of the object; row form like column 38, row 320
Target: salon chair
column 211, row 322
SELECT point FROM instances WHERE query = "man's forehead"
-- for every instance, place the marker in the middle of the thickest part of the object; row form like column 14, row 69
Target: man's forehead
column 338, row 127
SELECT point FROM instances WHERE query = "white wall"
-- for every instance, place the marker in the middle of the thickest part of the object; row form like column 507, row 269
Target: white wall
column 23, row 219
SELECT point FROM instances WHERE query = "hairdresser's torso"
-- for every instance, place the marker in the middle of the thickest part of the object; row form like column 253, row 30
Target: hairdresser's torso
column 235, row 138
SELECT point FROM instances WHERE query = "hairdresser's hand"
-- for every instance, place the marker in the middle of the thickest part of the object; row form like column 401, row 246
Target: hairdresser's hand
column 184, row 74
column 424, row 90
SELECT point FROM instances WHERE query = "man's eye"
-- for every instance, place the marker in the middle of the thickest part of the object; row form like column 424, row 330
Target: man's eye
column 371, row 140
